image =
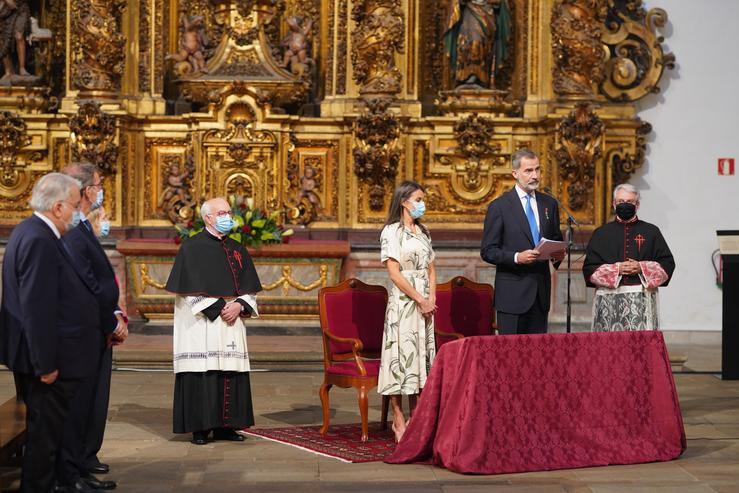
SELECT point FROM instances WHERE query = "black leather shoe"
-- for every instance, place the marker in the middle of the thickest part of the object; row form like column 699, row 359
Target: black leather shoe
column 97, row 484
column 98, row 468
column 227, row 434
column 79, row 487
column 199, row 437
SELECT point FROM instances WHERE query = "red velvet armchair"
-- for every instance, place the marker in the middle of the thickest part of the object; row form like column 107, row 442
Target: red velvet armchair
column 465, row 308
column 352, row 320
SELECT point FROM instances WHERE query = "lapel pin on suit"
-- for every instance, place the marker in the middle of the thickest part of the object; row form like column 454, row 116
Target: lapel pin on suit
column 546, row 212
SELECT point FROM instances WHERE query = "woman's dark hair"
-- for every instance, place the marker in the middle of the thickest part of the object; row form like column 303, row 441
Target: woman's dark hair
column 402, row 193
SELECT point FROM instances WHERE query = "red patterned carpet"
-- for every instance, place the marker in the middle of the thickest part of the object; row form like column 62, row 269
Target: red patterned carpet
column 341, row 442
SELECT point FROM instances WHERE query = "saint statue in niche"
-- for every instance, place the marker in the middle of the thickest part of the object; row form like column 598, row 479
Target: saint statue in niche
column 476, row 41
column 15, row 25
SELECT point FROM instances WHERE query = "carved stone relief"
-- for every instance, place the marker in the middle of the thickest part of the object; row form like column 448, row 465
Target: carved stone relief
column 379, row 34
column 635, row 58
column 580, row 136
column 98, row 47
column 13, row 138
column 579, row 61
column 376, row 150
column 94, row 137
column 625, row 163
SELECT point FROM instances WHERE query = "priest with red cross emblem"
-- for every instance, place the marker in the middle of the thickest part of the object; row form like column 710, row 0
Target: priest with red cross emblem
column 215, row 284
column 627, row 260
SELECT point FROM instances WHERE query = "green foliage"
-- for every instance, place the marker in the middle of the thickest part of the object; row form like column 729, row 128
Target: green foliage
column 252, row 227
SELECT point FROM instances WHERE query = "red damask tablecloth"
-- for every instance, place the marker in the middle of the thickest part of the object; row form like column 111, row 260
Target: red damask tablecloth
column 503, row 404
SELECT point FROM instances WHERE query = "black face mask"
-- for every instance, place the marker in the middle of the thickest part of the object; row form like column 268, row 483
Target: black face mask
column 625, row 211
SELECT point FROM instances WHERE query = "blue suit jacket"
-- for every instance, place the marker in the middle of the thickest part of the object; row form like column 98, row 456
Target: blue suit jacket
column 49, row 317
column 506, row 232
column 93, row 263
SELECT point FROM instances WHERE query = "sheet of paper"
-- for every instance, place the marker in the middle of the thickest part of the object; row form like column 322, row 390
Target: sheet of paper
column 548, row 247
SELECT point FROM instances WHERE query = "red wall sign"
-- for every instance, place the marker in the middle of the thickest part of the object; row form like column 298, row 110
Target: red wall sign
column 726, row 166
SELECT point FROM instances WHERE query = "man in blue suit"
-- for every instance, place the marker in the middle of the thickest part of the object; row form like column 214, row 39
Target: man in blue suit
column 514, row 224
column 48, row 342
column 86, row 426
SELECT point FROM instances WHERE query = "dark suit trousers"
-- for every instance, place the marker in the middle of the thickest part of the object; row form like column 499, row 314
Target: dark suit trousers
column 47, row 409
column 99, row 412
column 534, row 321
column 72, row 460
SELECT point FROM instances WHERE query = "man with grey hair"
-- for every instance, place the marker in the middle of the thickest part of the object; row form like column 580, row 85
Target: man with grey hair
column 48, row 342
column 514, row 224
column 626, row 261
column 215, row 285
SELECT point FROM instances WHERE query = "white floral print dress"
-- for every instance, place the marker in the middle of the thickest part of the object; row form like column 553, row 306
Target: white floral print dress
column 408, row 340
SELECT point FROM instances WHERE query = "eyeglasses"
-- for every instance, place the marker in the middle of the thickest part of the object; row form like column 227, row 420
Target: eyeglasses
column 632, row 202
column 223, row 213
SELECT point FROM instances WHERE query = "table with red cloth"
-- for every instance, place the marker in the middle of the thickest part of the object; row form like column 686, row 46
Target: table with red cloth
column 503, row 404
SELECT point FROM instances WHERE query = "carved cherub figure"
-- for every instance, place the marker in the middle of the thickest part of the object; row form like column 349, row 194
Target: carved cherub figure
column 297, row 44
column 193, row 42
column 308, row 186
column 176, row 185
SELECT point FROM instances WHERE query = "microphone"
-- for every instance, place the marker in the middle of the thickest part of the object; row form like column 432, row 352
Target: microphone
column 569, row 216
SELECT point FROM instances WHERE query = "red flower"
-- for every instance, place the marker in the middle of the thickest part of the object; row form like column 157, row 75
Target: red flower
column 178, row 240
column 189, row 223
column 242, row 206
column 246, row 229
column 286, row 239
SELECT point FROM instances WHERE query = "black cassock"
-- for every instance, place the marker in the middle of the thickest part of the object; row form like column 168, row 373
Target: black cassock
column 617, row 241
column 216, row 268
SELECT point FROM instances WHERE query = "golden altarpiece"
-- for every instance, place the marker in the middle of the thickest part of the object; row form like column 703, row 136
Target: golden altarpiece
column 315, row 109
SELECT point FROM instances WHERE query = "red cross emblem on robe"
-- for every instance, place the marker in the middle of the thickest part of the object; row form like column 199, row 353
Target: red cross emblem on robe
column 639, row 239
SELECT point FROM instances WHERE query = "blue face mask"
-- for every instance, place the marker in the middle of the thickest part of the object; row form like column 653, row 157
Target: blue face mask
column 224, row 224
column 418, row 210
column 98, row 199
column 75, row 221
column 104, row 228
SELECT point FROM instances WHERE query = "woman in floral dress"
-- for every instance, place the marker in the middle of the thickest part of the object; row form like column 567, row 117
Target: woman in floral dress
column 408, row 340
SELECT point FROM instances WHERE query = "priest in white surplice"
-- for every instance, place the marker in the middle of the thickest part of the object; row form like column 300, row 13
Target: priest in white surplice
column 215, row 284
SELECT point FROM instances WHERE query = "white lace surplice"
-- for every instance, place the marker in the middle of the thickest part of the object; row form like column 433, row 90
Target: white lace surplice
column 636, row 307
column 201, row 345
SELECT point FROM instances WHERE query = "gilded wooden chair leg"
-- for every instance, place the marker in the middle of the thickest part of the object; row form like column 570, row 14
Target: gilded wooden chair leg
column 323, row 392
column 363, row 405
column 385, row 406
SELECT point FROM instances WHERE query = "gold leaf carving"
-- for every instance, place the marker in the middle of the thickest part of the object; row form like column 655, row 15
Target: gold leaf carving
column 13, row 137
column 579, row 59
column 636, row 60
column 376, row 149
column 93, row 136
column 581, row 145
column 379, row 34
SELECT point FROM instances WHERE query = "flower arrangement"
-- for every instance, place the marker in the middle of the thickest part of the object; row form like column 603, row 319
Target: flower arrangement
column 252, row 227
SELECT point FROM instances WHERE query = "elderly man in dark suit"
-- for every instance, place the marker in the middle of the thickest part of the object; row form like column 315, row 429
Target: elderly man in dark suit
column 514, row 224
column 86, row 426
column 45, row 338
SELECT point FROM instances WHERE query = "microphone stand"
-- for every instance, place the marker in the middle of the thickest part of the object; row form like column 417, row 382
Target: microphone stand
column 570, row 221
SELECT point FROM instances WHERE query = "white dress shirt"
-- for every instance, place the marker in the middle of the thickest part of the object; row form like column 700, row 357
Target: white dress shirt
column 49, row 223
